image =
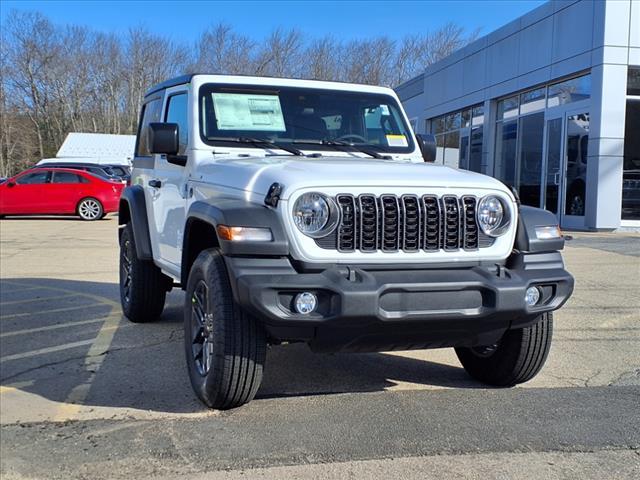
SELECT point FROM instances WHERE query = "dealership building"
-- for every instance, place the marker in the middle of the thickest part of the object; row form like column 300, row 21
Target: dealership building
column 550, row 105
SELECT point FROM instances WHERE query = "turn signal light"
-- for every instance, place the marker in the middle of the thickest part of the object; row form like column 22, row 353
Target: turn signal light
column 244, row 234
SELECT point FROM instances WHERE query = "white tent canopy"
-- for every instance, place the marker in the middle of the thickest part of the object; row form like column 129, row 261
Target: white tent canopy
column 99, row 148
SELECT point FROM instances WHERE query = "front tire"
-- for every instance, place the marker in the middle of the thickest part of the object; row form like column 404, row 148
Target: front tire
column 225, row 348
column 143, row 287
column 516, row 358
column 90, row 209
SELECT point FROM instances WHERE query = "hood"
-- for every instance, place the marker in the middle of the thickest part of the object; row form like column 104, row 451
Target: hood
column 257, row 174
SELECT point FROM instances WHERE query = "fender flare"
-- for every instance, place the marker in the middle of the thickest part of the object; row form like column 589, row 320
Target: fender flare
column 526, row 240
column 133, row 209
column 240, row 213
column 234, row 213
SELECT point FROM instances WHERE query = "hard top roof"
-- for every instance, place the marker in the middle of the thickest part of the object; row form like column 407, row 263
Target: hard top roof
column 278, row 81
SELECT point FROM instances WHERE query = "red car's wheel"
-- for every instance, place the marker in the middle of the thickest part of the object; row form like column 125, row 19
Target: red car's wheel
column 90, row 209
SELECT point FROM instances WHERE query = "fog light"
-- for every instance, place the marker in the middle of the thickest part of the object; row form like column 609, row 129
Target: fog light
column 532, row 296
column 305, row 302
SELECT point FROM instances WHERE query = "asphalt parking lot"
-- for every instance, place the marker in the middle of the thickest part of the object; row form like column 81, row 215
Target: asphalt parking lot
column 86, row 394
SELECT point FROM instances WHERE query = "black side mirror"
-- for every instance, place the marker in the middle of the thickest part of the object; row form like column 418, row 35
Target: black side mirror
column 163, row 138
column 427, row 144
column 10, row 184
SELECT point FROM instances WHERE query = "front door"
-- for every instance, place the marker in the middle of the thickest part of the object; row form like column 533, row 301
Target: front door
column 565, row 166
column 168, row 186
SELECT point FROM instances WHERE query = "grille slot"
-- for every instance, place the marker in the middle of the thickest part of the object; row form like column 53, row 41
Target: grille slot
column 368, row 223
column 412, row 214
column 347, row 227
column 390, row 240
column 470, row 226
column 409, row 223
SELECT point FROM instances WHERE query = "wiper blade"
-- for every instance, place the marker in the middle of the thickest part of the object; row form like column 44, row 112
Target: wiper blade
column 338, row 143
column 264, row 143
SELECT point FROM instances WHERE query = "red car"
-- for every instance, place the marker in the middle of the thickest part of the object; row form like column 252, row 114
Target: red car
column 59, row 191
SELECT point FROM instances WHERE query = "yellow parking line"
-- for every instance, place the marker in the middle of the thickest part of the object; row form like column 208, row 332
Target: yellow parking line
column 55, row 310
column 12, row 387
column 98, row 298
column 93, row 361
column 24, row 289
column 95, row 356
column 51, row 327
column 31, row 300
column 43, row 351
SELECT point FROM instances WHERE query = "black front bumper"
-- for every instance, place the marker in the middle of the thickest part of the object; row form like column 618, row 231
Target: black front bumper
column 372, row 310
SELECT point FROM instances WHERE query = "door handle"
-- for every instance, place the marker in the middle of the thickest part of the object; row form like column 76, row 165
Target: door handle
column 155, row 183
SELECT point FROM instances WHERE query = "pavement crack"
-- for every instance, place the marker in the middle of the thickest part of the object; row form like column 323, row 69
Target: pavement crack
column 39, row 367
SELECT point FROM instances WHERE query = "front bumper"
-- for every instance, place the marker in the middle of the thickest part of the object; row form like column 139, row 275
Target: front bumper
column 371, row 310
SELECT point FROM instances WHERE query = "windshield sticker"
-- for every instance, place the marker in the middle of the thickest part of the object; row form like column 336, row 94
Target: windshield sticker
column 397, row 141
column 239, row 111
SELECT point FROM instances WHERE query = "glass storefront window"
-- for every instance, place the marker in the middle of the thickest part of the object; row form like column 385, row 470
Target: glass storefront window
column 478, row 115
column 631, row 167
column 508, row 108
column 452, row 149
column 506, row 144
column 475, row 152
column 532, row 101
column 530, row 158
column 633, row 81
column 466, row 118
column 569, row 91
column 459, row 138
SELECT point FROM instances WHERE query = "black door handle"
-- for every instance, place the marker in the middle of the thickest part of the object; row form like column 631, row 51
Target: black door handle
column 155, row 183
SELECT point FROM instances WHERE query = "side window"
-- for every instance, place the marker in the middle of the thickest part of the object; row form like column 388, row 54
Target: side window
column 177, row 113
column 34, row 178
column 66, row 177
column 150, row 113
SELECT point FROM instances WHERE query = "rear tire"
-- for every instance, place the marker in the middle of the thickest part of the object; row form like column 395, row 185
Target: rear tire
column 516, row 358
column 90, row 209
column 143, row 287
column 225, row 347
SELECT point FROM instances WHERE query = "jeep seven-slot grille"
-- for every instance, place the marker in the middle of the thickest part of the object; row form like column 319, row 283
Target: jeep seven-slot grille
column 409, row 223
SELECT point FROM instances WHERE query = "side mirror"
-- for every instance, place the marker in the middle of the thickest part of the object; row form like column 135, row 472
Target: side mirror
column 10, row 184
column 427, row 144
column 163, row 138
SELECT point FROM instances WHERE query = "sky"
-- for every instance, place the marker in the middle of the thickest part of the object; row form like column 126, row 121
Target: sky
column 184, row 20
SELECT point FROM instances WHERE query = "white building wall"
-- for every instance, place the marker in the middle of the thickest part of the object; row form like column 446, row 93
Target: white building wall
column 558, row 39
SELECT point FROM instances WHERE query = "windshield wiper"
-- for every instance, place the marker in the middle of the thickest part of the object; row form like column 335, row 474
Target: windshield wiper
column 260, row 142
column 338, row 143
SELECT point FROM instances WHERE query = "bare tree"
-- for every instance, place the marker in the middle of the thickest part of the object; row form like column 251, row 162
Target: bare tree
column 221, row 50
column 56, row 79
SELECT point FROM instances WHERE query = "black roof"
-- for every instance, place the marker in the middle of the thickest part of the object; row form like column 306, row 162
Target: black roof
column 172, row 82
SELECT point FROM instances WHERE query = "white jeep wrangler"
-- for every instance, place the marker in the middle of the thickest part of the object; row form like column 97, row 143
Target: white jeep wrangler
column 305, row 211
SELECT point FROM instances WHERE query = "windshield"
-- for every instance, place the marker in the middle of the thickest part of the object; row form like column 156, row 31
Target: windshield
column 301, row 116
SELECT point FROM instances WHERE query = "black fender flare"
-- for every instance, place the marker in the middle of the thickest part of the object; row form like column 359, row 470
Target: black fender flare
column 235, row 213
column 133, row 209
column 526, row 239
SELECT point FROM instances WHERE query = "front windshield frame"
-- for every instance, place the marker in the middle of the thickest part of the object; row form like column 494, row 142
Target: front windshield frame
column 380, row 98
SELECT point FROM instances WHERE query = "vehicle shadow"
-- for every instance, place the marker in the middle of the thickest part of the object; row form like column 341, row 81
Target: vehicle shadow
column 66, row 341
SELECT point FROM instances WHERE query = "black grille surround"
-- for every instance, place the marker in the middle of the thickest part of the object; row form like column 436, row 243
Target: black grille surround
column 407, row 223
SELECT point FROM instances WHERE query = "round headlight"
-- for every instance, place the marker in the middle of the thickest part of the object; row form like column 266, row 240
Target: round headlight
column 492, row 217
column 314, row 214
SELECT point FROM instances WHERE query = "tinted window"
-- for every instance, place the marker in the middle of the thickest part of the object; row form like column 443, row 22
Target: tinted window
column 118, row 171
column 66, row 177
column 177, row 113
column 150, row 113
column 98, row 171
column 34, row 178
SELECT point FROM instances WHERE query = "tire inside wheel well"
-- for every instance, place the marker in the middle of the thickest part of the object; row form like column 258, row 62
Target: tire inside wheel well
column 198, row 236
